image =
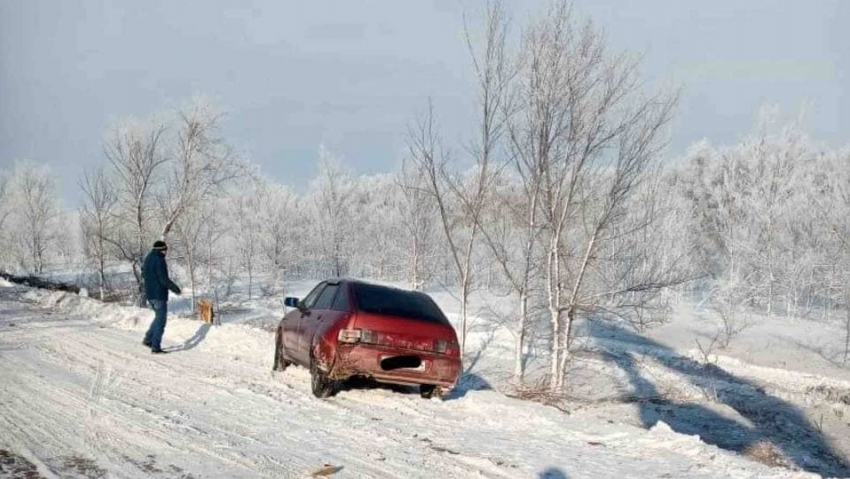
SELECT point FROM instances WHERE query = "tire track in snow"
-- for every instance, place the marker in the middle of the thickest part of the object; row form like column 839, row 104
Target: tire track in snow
column 92, row 403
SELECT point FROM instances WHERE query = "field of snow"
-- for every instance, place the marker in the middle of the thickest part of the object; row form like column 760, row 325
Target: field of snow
column 81, row 397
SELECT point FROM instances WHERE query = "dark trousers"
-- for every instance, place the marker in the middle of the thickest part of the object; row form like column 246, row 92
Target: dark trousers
column 157, row 328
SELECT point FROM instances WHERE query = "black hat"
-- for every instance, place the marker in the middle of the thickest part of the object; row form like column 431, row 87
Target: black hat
column 160, row 245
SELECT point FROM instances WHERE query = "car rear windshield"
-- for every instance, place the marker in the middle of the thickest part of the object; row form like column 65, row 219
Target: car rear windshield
column 395, row 302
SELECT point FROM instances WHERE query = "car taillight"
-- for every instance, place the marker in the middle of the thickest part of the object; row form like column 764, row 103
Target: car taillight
column 349, row 335
column 356, row 335
column 450, row 348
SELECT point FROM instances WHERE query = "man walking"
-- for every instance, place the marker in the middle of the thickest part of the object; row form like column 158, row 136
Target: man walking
column 157, row 284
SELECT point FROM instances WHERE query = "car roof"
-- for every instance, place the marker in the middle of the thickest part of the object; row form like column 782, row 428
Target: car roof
column 369, row 283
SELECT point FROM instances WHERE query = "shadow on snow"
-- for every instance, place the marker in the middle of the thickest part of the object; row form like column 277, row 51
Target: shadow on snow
column 195, row 340
column 773, row 420
column 553, row 473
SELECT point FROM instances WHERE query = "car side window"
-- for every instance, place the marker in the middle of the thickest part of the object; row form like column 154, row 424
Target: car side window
column 341, row 303
column 326, row 299
column 310, row 300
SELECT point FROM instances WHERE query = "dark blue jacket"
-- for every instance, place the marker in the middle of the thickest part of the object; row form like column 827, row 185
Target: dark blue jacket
column 155, row 275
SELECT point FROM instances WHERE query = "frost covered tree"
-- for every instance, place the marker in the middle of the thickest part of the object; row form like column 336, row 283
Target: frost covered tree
column 460, row 197
column 34, row 211
column 507, row 213
column 459, row 228
column 247, row 233
column 751, row 219
column 4, row 198
column 331, row 194
column 832, row 204
column 377, row 239
column 162, row 169
column 510, row 227
column 417, row 218
column 5, row 211
column 278, row 220
column 645, row 257
column 592, row 138
column 201, row 164
column 98, row 222
column 136, row 153
column 840, row 225
column 197, row 231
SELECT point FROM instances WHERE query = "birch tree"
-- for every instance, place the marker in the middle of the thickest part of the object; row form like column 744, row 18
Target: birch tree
column 418, row 211
column 495, row 71
column 427, row 153
column 645, row 256
column 591, row 137
column 511, row 230
column 493, row 74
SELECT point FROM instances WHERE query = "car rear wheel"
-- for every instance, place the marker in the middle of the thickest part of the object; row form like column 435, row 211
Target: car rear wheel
column 280, row 364
column 322, row 385
column 429, row 391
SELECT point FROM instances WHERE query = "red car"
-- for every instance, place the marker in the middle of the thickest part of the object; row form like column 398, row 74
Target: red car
column 347, row 328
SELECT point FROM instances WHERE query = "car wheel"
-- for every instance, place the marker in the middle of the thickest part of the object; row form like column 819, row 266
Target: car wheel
column 322, row 385
column 429, row 391
column 280, row 364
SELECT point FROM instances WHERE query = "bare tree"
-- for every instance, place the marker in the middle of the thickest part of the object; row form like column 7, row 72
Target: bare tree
column 195, row 229
column 381, row 213
column 511, row 230
column 495, row 72
column 427, row 153
column 135, row 152
column 419, row 210
column 840, row 226
column 36, row 208
column 331, row 193
column 846, row 324
column 5, row 209
column 833, row 209
column 591, row 138
column 158, row 178
column 97, row 216
column 202, row 163
column 247, row 233
column 728, row 301
column 278, row 212
column 211, row 235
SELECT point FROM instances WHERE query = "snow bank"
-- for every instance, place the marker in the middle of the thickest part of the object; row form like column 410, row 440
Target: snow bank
column 236, row 341
column 662, row 436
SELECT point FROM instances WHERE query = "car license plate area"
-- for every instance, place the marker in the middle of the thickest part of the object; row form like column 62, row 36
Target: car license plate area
column 404, row 362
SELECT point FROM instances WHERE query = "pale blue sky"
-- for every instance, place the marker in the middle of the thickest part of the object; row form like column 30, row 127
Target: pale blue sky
column 351, row 75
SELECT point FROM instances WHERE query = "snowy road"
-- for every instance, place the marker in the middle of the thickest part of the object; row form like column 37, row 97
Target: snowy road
column 81, row 397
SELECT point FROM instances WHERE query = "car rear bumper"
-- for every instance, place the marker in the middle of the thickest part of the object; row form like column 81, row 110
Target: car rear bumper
column 366, row 360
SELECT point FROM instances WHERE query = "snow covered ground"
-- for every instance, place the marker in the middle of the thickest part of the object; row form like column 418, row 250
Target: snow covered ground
column 81, row 397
